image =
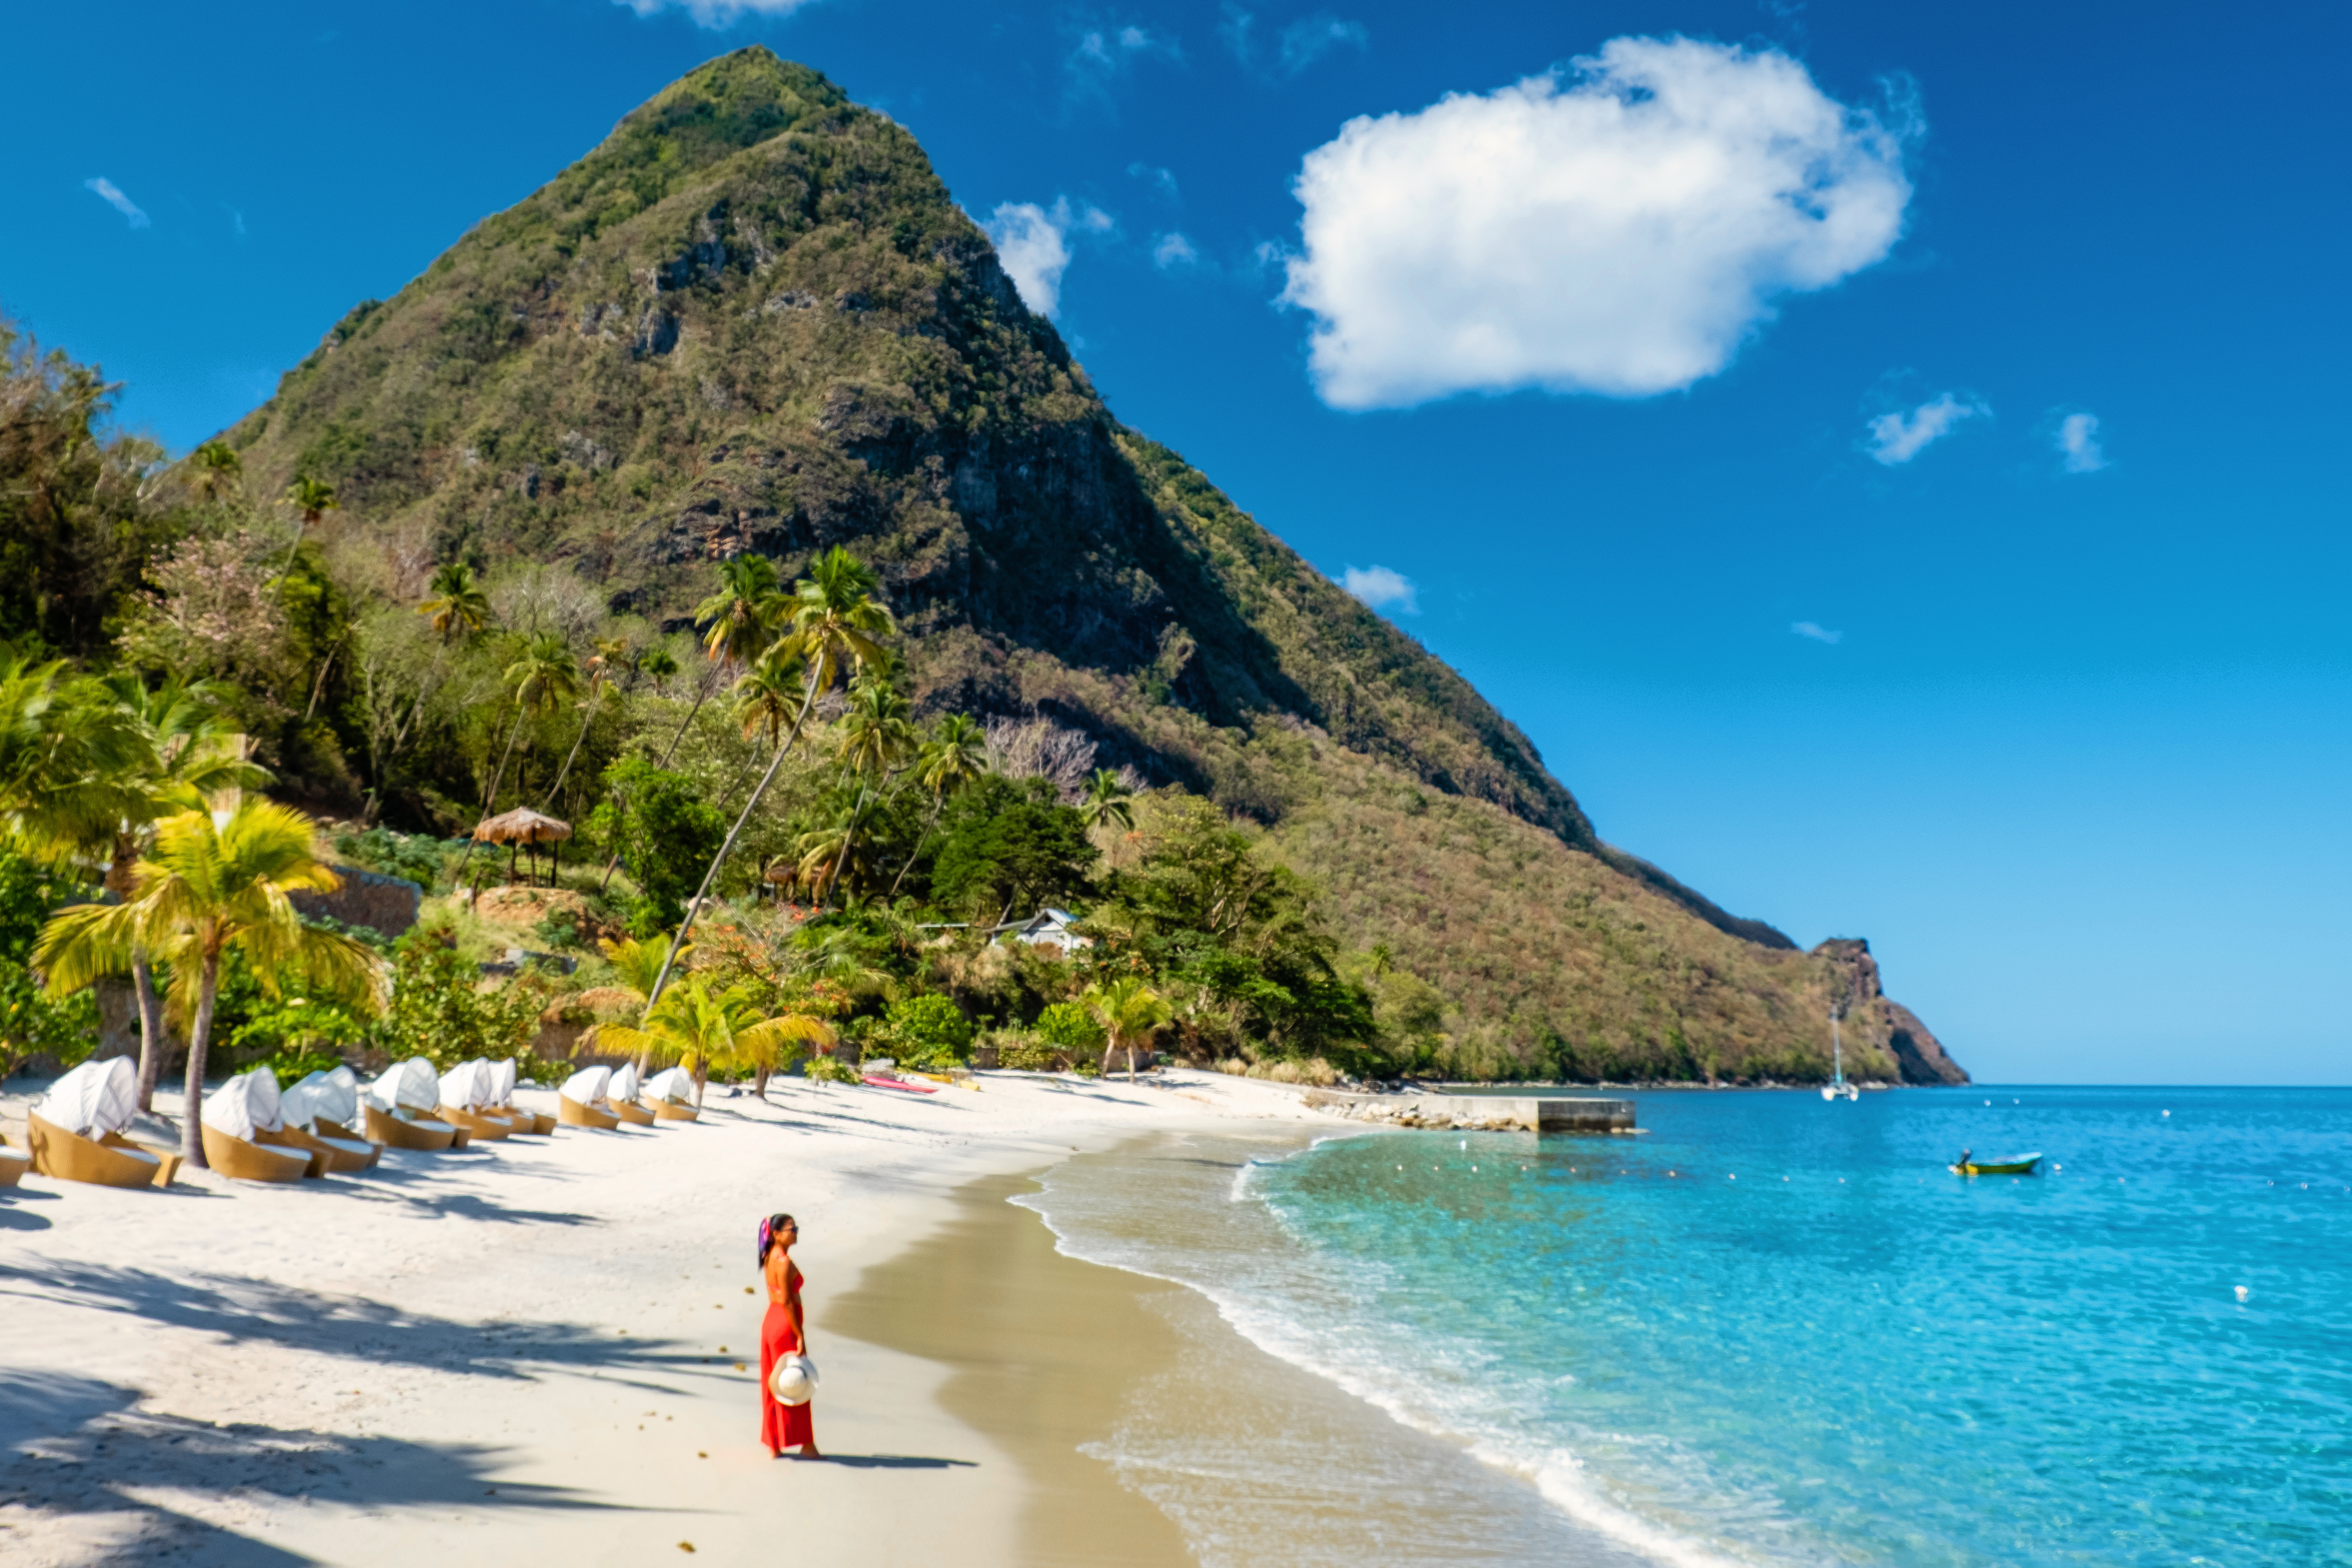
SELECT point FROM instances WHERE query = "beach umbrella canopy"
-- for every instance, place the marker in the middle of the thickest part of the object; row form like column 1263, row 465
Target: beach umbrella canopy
column 675, row 1085
column 521, row 825
column 624, row 1084
column 411, row 1083
column 587, row 1086
column 246, row 1104
column 333, row 1095
column 94, row 1099
column 502, row 1081
column 466, row 1086
column 297, row 1104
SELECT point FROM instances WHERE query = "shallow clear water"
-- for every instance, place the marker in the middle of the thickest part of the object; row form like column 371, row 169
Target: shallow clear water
column 1774, row 1330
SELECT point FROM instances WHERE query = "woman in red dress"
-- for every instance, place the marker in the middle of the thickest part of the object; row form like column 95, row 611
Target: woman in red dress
column 783, row 1332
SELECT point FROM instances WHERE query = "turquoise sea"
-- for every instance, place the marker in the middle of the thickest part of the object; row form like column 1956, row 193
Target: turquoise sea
column 1770, row 1330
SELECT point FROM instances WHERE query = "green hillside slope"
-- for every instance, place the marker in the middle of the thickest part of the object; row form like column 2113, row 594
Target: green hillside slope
column 754, row 320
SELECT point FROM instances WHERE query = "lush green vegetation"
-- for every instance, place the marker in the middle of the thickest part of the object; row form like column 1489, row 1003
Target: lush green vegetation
column 561, row 526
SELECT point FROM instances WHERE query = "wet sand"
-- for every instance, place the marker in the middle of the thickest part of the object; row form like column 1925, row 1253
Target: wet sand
column 1042, row 1352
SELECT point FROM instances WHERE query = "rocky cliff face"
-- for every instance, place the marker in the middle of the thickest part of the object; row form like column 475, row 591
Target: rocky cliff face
column 754, row 320
column 1876, row 1023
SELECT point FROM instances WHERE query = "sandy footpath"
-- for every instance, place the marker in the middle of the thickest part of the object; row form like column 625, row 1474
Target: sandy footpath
column 473, row 1357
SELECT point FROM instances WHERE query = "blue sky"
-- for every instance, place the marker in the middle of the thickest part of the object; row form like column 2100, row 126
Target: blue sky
column 1927, row 522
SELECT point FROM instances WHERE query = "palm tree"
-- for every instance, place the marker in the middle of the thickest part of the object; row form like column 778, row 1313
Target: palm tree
column 545, row 676
column 611, row 657
column 204, row 890
column 766, row 696
column 877, row 736
column 702, row 1025
column 218, row 468
column 455, row 605
column 744, row 617
column 956, row 754
column 1107, row 800
column 311, row 500
column 185, row 753
column 835, row 620
column 1129, row 1011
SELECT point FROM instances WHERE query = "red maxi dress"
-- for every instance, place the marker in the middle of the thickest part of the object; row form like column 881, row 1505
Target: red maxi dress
column 782, row 1425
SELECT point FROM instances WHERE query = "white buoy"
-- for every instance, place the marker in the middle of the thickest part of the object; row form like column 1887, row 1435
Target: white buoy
column 2241, row 1292
column 2167, row 1113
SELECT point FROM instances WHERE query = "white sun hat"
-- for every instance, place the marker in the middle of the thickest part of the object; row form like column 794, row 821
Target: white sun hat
column 794, row 1380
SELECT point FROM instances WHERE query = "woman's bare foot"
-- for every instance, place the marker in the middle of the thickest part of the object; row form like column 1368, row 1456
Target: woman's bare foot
column 808, row 1451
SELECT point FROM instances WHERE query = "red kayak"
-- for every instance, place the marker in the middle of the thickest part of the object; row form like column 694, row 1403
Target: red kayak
column 894, row 1083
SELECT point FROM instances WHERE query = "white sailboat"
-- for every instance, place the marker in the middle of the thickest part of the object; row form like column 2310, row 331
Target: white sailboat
column 1837, row 1087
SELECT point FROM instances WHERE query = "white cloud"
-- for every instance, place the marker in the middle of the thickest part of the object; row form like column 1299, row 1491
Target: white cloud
column 1378, row 587
column 1620, row 231
column 1162, row 180
column 1032, row 244
column 112, row 195
column 1295, row 47
column 717, row 13
column 1898, row 438
column 2078, row 443
column 1309, row 38
column 1817, row 633
column 1173, row 251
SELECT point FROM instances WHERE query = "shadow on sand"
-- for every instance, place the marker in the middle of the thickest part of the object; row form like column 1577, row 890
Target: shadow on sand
column 79, row 1447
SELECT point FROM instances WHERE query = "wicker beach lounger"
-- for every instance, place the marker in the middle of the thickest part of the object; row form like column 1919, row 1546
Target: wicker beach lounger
column 232, row 1156
column 666, row 1094
column 400, row 1133
column 575, row 1114
column 490, row 1129
column 339, row 1153
column 112, row 1161
column 12, row 1167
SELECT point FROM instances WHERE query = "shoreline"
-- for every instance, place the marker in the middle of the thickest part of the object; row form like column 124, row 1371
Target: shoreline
column 530, row 1347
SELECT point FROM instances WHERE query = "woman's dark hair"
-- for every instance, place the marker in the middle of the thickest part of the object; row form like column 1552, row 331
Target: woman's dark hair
column 775, row 1224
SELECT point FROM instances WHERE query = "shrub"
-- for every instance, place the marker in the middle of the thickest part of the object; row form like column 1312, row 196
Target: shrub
column 1071, row 1027
column 1027, row 1053
column 413, row 856
column 928, row 1029
column 825, row 1070
column 440, row 1012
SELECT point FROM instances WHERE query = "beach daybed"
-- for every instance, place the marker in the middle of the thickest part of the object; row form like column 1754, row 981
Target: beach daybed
column 621, row 1097
column 332, row 1099
column 338, row 1155
column 581, row 1101
column 13, row 1166
column 671, row 1095
column 502, row 1088
column 399, row 1109
column 76, row 1130
column 465, row 1092
column 240, row 1121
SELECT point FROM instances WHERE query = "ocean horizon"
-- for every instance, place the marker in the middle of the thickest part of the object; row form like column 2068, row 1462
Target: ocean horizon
column 1768, row 1331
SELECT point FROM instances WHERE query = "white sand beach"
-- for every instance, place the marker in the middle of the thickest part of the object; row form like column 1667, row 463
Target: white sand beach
column 550, row 1347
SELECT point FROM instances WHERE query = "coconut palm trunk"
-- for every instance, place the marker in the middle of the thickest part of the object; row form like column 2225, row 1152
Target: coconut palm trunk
column 565, row 770
column 808, row 701
column 200, row 1034
column 151, row 1027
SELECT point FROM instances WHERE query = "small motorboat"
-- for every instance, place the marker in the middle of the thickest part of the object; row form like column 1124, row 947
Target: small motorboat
column 2021, row 1166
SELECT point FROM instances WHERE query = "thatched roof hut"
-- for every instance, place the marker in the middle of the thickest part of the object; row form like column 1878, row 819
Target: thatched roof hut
column 521, row 827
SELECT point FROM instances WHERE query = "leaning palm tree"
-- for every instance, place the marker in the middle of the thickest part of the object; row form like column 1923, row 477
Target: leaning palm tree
column 835, row 621
column 1107, row 800
column 208, row 889
column 745, row 618
column 544, row 676
column 1128, row 1012
column 701, row 1025
column 603, row 670
column 182, row 754
column 955, row 755
column 311, row 500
